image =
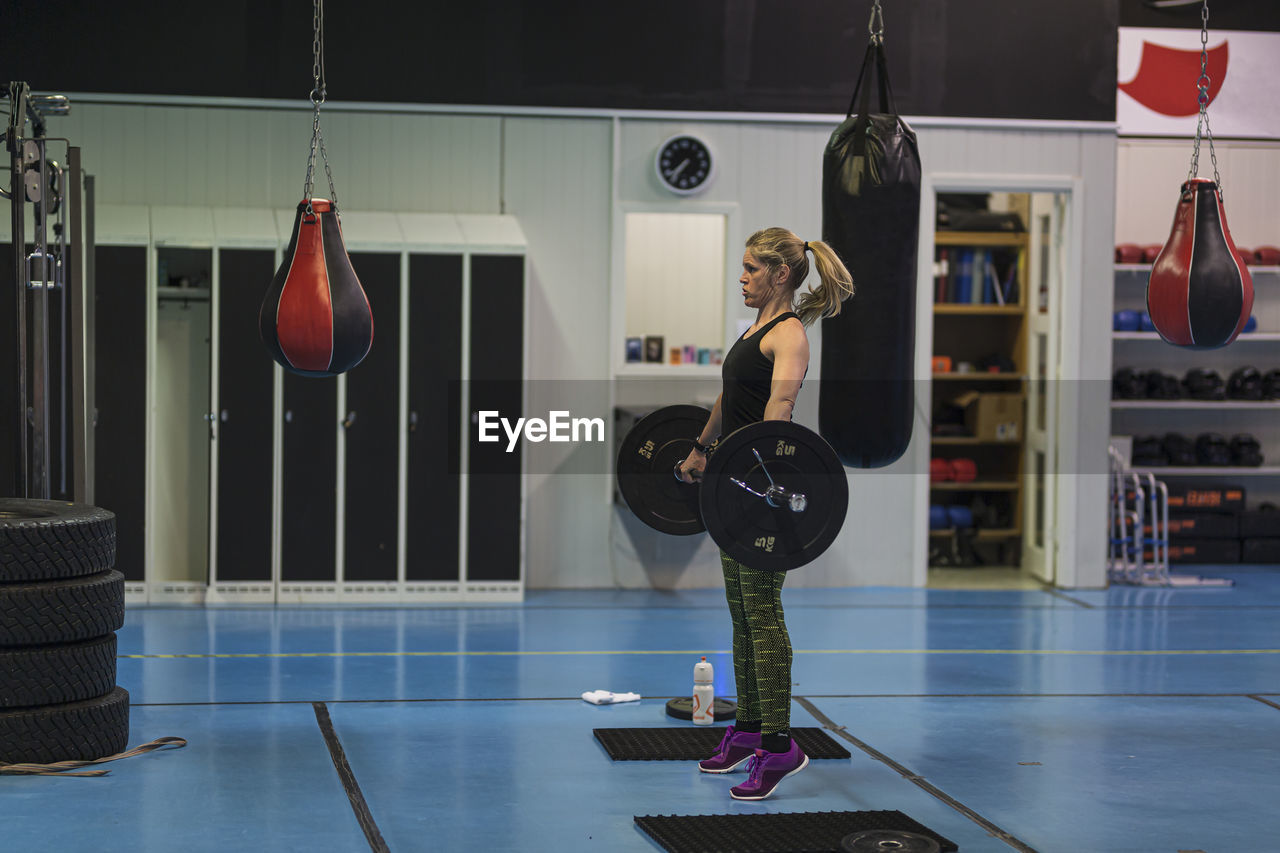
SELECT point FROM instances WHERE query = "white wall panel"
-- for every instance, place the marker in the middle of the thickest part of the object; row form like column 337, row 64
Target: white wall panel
column 558, row 184
column 258, row 158
column 1151, row 171
column 670, row 258
column 1087, row 308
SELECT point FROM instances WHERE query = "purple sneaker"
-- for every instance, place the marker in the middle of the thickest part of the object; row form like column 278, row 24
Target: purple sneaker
column 767, row 770
column 735, row 747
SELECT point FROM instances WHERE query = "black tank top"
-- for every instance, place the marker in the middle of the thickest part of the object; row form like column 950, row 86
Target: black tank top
column 747, row 377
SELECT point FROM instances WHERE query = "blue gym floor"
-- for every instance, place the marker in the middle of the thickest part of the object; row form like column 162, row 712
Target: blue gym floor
column 1124, row 720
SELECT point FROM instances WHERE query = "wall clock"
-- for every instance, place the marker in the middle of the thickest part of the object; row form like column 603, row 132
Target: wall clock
column 684, row 164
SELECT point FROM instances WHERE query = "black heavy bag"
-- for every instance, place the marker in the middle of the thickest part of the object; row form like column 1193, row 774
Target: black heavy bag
column 871, row 217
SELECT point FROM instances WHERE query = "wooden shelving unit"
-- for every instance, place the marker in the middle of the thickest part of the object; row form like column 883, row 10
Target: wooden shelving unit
column 970, row 332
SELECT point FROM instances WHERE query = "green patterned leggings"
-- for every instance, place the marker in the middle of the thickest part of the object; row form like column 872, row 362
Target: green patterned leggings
column 761, row 645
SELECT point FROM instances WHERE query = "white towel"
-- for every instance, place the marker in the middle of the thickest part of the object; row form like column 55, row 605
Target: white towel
column 604, row 697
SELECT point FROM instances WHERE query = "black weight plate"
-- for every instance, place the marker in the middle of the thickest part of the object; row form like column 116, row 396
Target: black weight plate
column 682, row 708
column 647, row 460
column 888, row 841
column 745, row 526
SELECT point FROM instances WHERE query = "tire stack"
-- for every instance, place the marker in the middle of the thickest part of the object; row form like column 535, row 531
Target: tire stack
column 60, row 605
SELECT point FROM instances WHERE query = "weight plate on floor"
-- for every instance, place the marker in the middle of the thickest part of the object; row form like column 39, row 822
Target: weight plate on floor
column 888, row 841
column 746, row 526
column 647, row 460
column 682, row 708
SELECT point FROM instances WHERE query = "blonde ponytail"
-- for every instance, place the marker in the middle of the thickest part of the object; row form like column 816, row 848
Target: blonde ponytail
column 773, row 247
column 834, row 285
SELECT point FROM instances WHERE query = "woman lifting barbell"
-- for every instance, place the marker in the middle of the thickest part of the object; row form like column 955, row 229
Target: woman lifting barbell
column 761, row 377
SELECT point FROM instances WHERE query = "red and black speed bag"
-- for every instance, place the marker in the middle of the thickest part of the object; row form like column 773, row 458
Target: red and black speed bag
column 315, row 318
column 1200, row 294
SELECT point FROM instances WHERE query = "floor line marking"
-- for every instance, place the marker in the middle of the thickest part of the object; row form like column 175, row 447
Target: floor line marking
column 358, row 805
column 1275, row 705
column 584, row 652
column 410, row 701
column 916, row 779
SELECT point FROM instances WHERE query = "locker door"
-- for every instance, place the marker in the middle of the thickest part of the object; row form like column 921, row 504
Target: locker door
column 120, row 366
column 245, row 387
column 372, row 429
column 435, row 372
column 310, row 474
column 497, row 371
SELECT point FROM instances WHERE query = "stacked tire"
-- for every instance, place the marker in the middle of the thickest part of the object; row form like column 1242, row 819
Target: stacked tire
column 61, row 603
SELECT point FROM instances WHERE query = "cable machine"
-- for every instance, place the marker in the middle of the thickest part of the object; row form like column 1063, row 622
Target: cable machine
column 46, row 390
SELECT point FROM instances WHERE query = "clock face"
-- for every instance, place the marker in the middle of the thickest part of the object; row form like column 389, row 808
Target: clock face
column 684, row 164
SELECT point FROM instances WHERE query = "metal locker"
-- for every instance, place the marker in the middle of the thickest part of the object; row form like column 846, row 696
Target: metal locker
column 120, row 366
column 371, row 429
column 434, row 441
column 308, row 550
column 243, row 425
column 495, row 485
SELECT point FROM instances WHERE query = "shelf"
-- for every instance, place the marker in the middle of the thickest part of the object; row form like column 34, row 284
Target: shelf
column 981, row 238
column 970, row 440
column 976, row 486
column 987, row 534
column 1247, row 337
column 1227, row 471
column 187, row 294
column 652, row 370
column 979, row 376
column 1253, row 270
column 1195, row 404
column 992, row 310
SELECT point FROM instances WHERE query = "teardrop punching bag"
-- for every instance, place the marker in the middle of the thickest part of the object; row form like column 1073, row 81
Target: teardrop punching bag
column 1199, row 295
column 315, row 318
column 871, row 217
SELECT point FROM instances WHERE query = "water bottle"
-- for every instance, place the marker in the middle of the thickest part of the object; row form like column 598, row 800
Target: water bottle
column 704, row 694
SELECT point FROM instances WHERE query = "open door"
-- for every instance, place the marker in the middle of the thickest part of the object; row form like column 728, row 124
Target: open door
column 1049, row 221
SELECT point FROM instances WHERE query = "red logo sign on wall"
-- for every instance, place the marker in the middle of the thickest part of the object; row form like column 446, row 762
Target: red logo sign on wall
column 1158, row 70
column 1167, row 78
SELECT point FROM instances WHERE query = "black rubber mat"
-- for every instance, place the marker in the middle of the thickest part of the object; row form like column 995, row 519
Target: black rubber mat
column 800, row 832
column 694, row 743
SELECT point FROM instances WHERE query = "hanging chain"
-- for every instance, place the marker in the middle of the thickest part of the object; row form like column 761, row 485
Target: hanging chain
column 318, row 94
column 875, row 26
column 1202, row 87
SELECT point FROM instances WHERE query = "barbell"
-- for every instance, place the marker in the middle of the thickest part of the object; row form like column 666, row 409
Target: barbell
column 773, row 495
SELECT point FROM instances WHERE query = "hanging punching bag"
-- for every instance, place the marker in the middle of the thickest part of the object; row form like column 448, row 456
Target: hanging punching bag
column 871, row 217
column 1200, row 294
column 315, row 318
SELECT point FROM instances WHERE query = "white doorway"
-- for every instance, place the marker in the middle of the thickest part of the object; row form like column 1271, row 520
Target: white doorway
column 1014, row 500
